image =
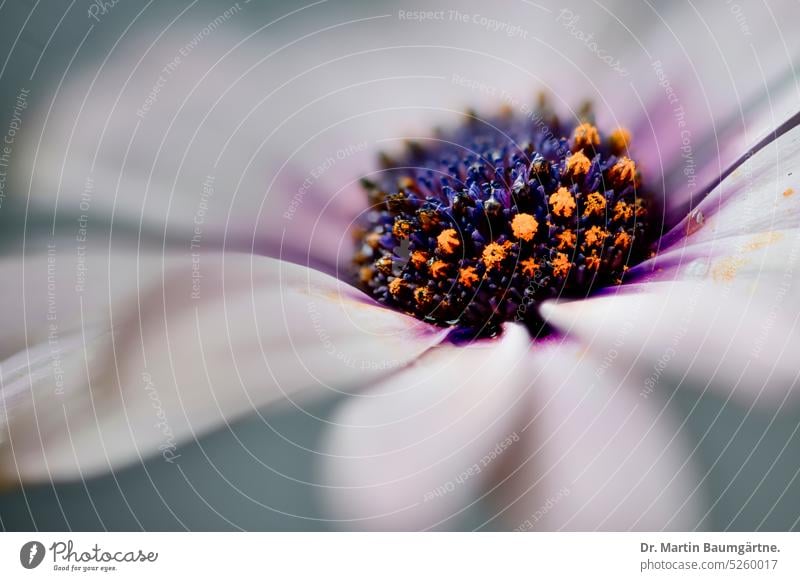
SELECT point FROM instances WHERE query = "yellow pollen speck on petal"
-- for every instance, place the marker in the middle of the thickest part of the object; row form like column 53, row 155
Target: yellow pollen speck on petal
column 593, row 261
column 788, row 192
column 763, row 240
column 402, row 228
column 439, row 268
column 624, row 171
column 726, row 269
column 467, row 276
column 619, row 140
column 563, row 203
column 566, row 239
column 595, row 236
column 495, row 253
column 422, row 295
column 529, row 267
column 418, row 259
column 524, row 226
column 561, row 264
column 623, row 240
column 447, row 241
column 396, row 286
column 622, row 211
column 595, row 204
column 585, row 135
column 578, row 163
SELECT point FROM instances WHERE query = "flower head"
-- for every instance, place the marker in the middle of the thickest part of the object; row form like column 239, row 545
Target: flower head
column 492, row 198
column 233, row 194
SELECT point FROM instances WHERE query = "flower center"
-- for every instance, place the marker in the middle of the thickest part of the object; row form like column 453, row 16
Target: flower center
column 481, row 223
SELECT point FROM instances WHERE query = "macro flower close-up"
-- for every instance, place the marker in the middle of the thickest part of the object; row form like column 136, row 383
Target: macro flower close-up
column 375, row 266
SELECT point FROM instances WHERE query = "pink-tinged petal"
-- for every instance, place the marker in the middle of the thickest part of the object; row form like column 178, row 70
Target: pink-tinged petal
column 699, row 332
column 212, row 337
column 418, row 450
column 596, row 454
column 762, row 195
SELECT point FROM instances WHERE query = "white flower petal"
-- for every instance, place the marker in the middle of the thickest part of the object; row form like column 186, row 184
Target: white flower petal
column 755, row 266
column 597, row 455
column 67, row 286
column 418, row 450
column 693, row 331
column 715, row 79
column 762, row 195
column 210, row 339
column 54, row 370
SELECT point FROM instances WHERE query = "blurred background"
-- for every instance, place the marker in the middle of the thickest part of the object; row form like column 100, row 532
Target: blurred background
column 260, row 473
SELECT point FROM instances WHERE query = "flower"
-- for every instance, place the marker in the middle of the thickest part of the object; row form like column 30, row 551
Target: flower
column 114, row 351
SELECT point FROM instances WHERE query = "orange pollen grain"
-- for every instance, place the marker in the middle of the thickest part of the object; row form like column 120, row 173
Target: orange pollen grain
column 623, row 171
column 365, row 274
column 566, row 239
column 595, row 236
column 418, row 259
column 402, row 229
column 395, row 286
column 563, row 203
column 384, row 264
column 406, row 183
column 467, row 276
column 595, row 204
column 561, row 264
column 427, row 219
column 495, row 253
column 448, row 241
column 619, row 140
column 524, row 226
column 622, row 211
column 593, row 261
column 373, row 239
column 788, row 192
column 578, row 163
column 585, row 135
column 623, row 240
column 439, row 268
column 422, row 295
column 529, row 267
